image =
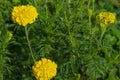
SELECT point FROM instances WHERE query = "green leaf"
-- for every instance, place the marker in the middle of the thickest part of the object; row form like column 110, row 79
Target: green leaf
column 111, row 40
column 96, row 68
column 116, row 32
column 112, row 75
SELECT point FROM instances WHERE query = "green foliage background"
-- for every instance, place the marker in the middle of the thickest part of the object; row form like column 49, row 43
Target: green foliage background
column 64, row 33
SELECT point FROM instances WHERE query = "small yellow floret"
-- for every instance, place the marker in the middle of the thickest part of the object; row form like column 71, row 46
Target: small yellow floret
column 44, row 69
column 106, row 18
column 24, row 14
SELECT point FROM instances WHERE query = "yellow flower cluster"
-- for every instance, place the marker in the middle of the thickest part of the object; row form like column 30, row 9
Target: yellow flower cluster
column 24, row 14
column 106, row 18
column 44, row 69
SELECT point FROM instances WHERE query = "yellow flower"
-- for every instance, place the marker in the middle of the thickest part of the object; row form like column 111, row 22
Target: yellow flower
column 44, row 69
column 24, row 14
column 106, row 18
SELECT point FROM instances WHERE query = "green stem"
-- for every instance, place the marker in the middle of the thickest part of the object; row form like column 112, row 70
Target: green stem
column 93, row 6
column 88, row 3
column 46, row 8
column 90, row 33
column 29, row 45
column 1, row 76
column 89, row 24
column 70, row 35
column 102, row 34
column 35, row 3
column 1, row 68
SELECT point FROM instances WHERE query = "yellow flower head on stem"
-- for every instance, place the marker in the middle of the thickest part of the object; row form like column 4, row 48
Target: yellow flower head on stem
column 106, row 18
column 24, row 14
column 44, row 69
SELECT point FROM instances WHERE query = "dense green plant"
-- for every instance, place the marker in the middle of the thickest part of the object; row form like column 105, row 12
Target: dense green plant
column 66, row 32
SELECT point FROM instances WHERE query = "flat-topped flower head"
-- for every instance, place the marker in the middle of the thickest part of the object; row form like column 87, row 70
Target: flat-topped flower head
column 44, row 69
column 24, row 14
column 106, row 18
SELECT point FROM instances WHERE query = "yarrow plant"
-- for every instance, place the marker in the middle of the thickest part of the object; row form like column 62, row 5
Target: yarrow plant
column 44, row 69
column 106, row 18
column 24, row 14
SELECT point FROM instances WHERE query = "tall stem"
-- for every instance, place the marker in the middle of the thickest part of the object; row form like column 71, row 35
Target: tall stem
column 1, row 68
column 29, row 45
column 102, row 34
column 1, row 76
column 89, row 24
column 46, row 8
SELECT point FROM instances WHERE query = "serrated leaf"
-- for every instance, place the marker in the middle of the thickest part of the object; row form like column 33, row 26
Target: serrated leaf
column 96, row 67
